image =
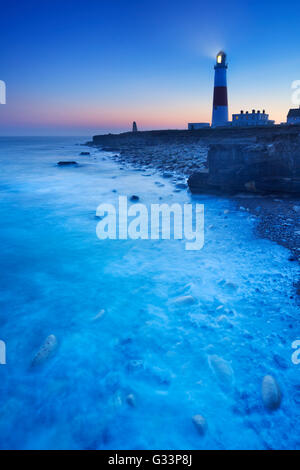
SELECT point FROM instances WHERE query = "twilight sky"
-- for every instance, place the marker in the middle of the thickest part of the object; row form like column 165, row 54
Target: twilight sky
column 75, row 67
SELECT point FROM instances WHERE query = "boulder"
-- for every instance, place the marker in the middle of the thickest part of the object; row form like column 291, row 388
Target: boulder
column 271, row 395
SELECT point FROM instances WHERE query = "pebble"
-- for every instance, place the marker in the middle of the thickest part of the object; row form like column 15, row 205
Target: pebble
column 45, row 351
column 200, row 424
column 134, row 198
column 271, row 394
column 222, row 369
column 130, row 400
column 184, row 300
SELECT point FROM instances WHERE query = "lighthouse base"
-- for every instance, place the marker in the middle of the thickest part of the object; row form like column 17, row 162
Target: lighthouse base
column 220, row 116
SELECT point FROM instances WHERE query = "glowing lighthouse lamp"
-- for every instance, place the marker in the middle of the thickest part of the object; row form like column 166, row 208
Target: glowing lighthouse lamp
column 220, row 103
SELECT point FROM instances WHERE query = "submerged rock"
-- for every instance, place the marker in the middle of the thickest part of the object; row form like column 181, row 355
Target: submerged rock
column 200, row 423
column 45, row 351
column 271, row 394
column 134, row 198
column 130, row 400
column 84, row 153
column 184, row 300
column 66, row 163
column 222, row 370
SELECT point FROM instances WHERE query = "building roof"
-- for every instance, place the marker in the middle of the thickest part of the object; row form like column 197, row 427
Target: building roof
column 294, row 113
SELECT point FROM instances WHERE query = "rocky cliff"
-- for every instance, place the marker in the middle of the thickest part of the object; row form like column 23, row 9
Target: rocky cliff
column 263, row 159
column 271, row 166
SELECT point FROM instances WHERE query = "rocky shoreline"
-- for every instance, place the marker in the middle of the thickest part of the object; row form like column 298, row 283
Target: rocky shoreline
column 179, row 154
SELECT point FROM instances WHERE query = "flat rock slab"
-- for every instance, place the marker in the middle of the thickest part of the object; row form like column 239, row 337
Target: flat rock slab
column 67, row 163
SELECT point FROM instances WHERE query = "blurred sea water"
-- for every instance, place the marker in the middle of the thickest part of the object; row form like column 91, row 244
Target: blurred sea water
column 134, row 377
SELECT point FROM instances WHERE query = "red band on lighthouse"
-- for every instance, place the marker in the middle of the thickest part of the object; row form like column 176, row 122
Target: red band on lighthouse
column 220, row 96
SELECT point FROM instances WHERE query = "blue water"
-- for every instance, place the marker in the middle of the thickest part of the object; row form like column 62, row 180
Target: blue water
column 56, row 276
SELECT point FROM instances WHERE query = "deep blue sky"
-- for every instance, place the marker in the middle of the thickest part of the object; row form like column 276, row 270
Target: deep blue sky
column 80, row 67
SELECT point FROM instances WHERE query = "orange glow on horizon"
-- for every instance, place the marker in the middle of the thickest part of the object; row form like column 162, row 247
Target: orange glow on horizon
column 172, row 115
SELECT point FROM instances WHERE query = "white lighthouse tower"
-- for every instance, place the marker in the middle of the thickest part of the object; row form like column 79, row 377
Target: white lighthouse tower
column 220, row 102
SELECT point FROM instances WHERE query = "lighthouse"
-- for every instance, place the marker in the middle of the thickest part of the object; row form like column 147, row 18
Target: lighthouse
column 220, row 104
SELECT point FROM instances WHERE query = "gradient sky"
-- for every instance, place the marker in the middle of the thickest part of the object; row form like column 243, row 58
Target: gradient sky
column 84, row 67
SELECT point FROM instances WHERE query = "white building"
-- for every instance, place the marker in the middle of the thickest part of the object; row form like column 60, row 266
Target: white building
column 251, row 119
column 293, row 116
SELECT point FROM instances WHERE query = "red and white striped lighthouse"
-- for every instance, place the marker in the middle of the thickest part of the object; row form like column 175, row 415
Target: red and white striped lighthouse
column 220, row 104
